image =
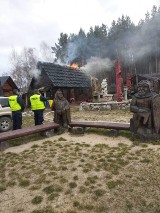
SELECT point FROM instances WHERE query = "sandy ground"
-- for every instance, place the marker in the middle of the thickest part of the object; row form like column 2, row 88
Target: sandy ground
column 85, row 138
column 91, row 139
column 18, row 199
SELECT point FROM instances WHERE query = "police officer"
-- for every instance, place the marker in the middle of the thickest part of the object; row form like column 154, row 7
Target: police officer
column 38, row 105
column 17, row 106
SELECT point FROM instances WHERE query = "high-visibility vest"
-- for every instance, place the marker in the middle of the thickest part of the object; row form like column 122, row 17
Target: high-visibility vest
column 14, row 105
column 36, row 103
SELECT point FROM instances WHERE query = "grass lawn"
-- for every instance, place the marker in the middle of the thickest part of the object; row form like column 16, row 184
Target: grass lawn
column 61, row 175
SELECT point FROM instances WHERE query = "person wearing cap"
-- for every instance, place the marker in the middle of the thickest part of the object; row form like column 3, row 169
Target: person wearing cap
column 17, row 106
column 38, row 105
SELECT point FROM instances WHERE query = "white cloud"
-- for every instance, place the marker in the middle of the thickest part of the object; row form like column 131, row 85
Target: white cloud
column 25, row 23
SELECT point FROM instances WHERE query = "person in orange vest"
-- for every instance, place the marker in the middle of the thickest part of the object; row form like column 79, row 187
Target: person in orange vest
column 38, row 105
column 17, row 106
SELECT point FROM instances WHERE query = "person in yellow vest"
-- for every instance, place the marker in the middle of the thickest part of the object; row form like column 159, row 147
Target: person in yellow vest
column 17, row 106
column 38, row 105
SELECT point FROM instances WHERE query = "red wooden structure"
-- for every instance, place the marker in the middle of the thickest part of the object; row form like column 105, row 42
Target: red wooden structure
column 118, row 82
column 128, row 81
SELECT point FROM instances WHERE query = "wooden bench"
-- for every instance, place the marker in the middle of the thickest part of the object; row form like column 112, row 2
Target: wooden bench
column 102, row 124
column 27, row 131
column 4, row 136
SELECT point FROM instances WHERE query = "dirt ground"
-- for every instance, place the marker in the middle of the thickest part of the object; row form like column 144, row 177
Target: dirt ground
column 109, row 116
column 92, row 172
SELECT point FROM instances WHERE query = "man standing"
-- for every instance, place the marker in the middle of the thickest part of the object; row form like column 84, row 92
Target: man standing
column 38, row 105
column 17, row 106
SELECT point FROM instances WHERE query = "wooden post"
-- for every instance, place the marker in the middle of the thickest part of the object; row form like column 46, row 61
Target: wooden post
column 118, row 82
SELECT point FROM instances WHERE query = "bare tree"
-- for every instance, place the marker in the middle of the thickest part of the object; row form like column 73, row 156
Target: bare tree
column 46, row 52
column 23, row 66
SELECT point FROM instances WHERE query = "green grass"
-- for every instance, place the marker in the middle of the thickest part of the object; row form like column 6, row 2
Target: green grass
column 109, row 133
column 2, row 188
column 24, row 139
column 112, row 184
column 82, row 189
column 53, row 196
column 37, row 199
column 99, row 192
column 24, row 183
column 71, row 211
column 61, row 139
column 52, row 188
column 72, row 185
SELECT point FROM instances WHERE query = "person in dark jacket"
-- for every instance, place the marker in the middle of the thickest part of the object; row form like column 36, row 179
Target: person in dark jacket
column 38, row 105
column 17, row 106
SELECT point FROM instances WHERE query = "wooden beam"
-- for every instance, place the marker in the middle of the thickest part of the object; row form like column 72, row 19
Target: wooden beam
column 27, row 131
column 106, row 125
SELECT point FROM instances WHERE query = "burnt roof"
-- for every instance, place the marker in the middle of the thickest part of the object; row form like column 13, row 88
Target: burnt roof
column 63, row 76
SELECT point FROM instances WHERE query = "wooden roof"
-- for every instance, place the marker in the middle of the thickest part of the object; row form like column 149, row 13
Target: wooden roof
column 150, row 77
column 63, row 76
column 8, row 79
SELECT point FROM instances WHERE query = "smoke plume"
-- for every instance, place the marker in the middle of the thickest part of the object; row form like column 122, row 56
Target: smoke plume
column 95, row 64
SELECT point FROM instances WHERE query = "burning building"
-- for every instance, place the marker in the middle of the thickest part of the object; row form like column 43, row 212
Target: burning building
column 75, row 84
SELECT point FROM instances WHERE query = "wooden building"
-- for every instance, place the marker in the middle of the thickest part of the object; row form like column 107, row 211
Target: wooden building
column 6, row 86
column 153, row 78
column 74, row 83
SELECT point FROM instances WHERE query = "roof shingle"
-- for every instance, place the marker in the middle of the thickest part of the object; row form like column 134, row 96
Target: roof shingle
column 63, row 76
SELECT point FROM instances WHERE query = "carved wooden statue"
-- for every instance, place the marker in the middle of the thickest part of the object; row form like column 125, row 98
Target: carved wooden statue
column 145, row 106
column 61, row 110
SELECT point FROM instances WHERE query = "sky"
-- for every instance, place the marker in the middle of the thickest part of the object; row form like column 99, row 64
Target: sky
column 26, row 23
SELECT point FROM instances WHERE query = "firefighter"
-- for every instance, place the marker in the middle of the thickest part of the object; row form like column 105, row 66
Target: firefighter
column 38, row 105
column 17, row 106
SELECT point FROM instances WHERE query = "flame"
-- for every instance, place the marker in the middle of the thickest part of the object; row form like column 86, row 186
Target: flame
column 74, row 66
